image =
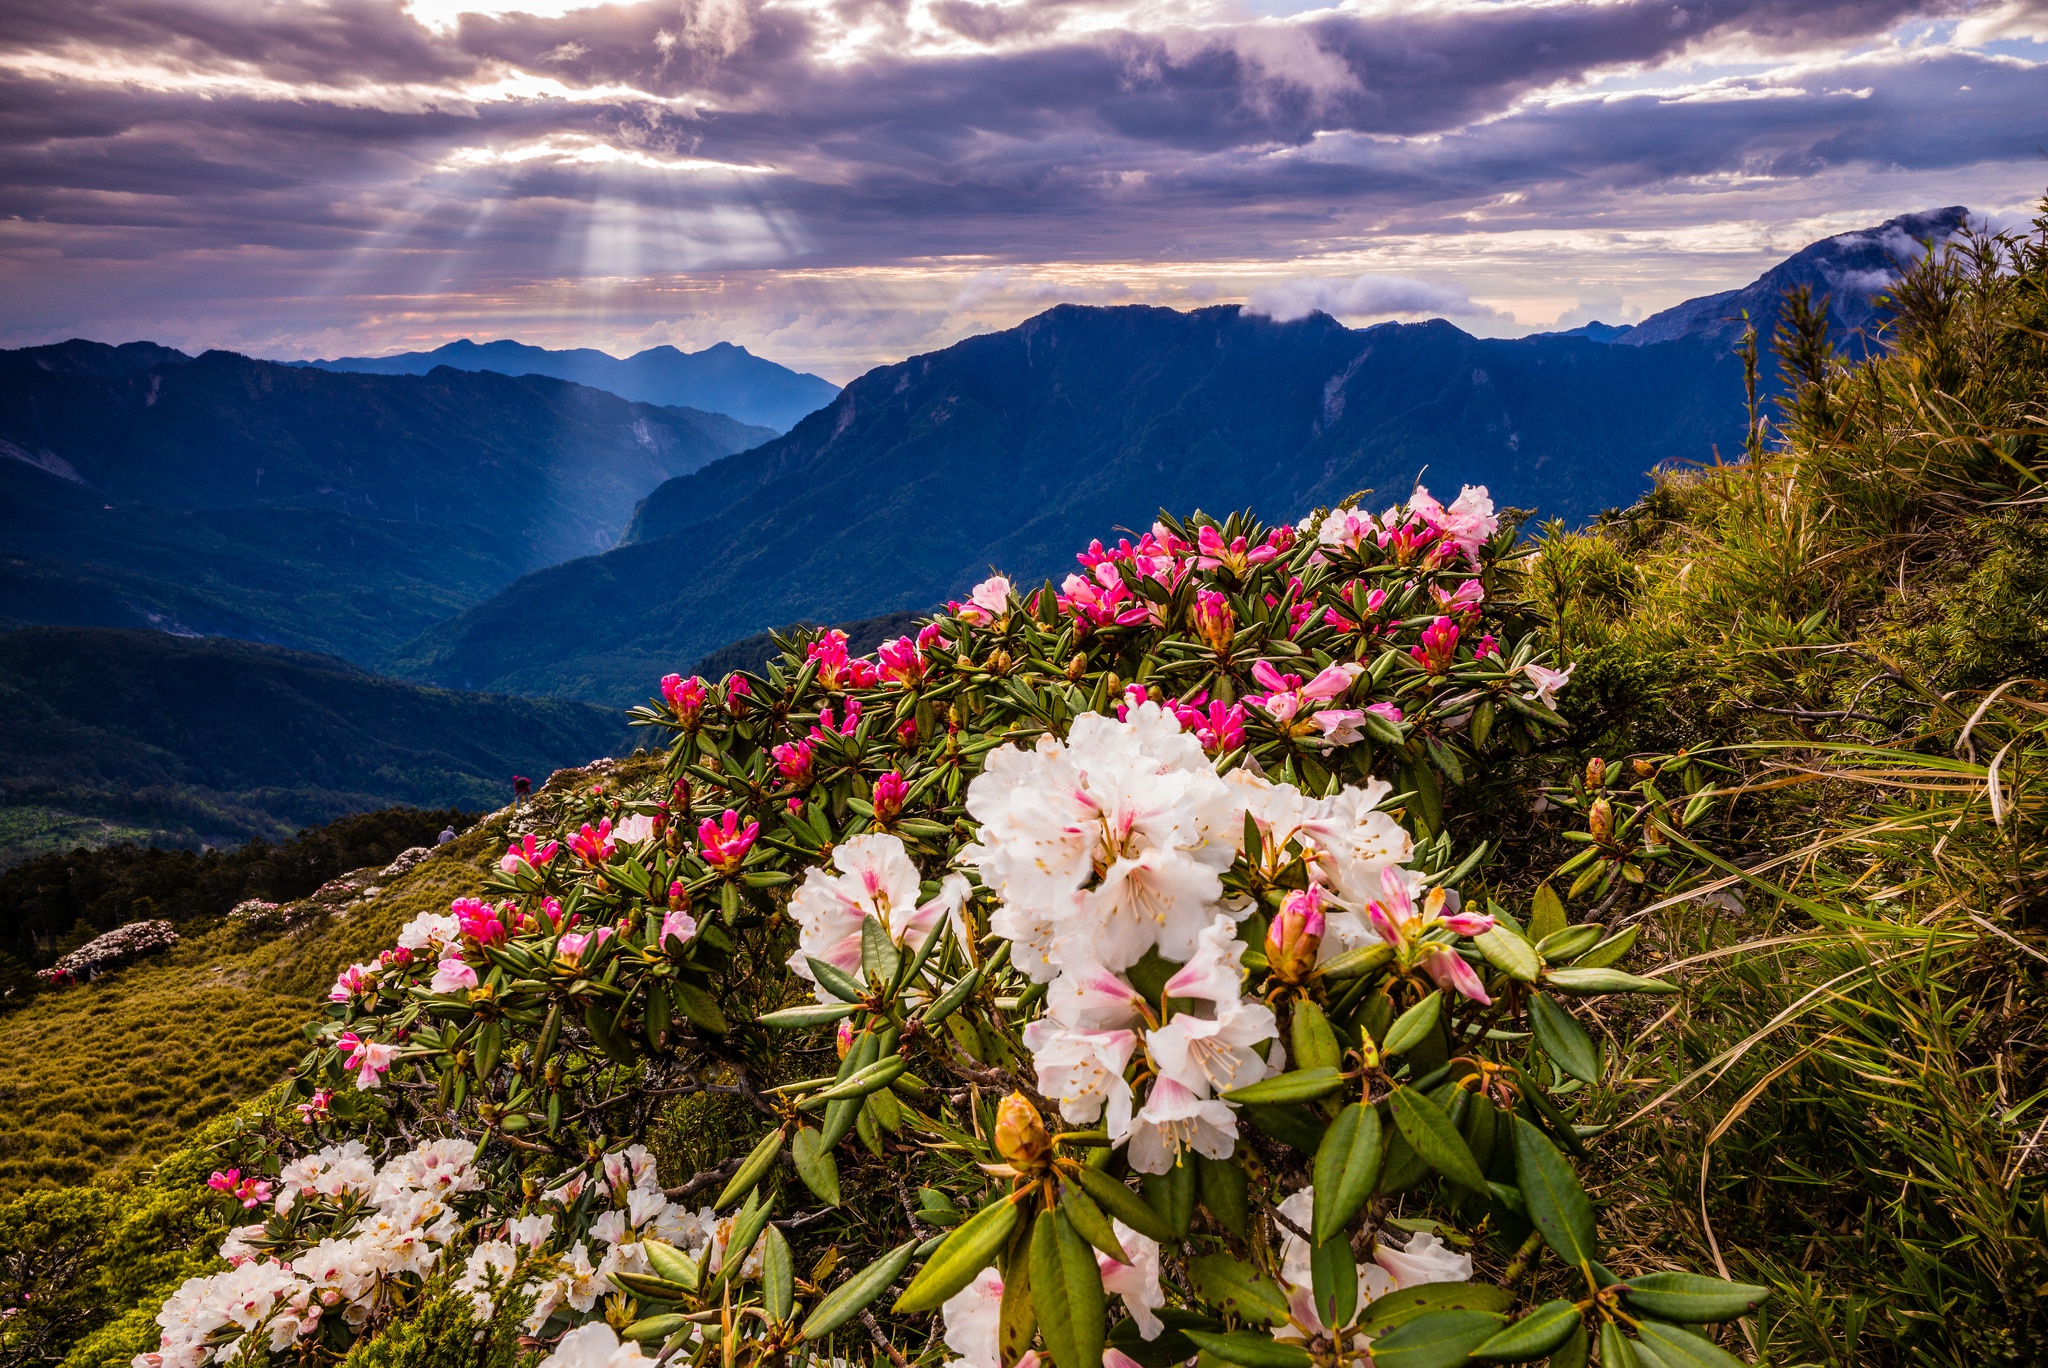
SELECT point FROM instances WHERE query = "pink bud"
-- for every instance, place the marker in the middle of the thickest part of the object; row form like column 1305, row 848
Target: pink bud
column 1296, row 935
column 843, row 1037
column 890, row 794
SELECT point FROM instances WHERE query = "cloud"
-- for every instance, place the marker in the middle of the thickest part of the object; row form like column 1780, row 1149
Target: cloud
column 1367, row 296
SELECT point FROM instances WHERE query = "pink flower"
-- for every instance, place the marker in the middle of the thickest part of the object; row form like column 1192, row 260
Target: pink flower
column 1438, row 649
column 451, row 975
column 681, row 925
column 370, row 1059
column 1222, row 729
column 900, row 662
column 737, row 692
column 724, row 847
column 1347, row 528
column 318, row 1109
column 685, row 699
column 1092, row 602
column 795, row 762
column 1215, row 623
column 1468, row 523
column 594, row 845
column 1486, row 646
column 479, row 922
column 1339, row 726
column 251, row 1192
column 358, row 980
column 828, row 725
column 1386, row 710
column 526, row 851
column 1332, row 683
column 906, row 732
column 990, row 600
column 1548, row 681
column 890, row 794
column 573, row 943
column 1398, row 922
column 1406, row 542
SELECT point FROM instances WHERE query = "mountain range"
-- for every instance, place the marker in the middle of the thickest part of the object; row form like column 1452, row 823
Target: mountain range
column 723, row 378
column 220, row 495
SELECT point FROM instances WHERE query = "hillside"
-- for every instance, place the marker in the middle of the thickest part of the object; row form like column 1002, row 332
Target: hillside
column 1018, row 446
column 722, row 378
column 343, row 512
column 179, row 740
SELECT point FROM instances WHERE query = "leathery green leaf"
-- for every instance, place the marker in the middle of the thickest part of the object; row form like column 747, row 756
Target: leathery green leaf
column 1066, row 1291
column 846, row 1301
column 1563, row 1039
column 754, row 1169
column 1088, row 1219
column 1675, row 1347
column 1412, row 1025
column 1125, row 1205
column 1426, row 1128
column 968, row 1250
column 1556, row 1200
column 1692, row 1299
column 1230, row 1284
column 1436, row 1339
column 1534, row 1335
column 778, row 1277
column 815, row 1165
column 1347, row 1165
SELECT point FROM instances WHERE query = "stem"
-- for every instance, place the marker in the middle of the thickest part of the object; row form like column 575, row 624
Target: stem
column 1523, row 1256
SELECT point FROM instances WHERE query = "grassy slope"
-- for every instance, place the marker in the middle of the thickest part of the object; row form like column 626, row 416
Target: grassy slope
column 1850, row 1100
column 224, row 740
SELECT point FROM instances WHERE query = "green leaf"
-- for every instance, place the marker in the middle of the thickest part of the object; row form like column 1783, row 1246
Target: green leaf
column 1357, row 963
column 1298, row 1086
column 1618, row 1350
column 846, row 1300
column 778, row 1277
column 1509, row 953
column 1314, row 1043
column 879, row 957
column 1333, row 1281
column 1556, row 1200
column 747, row 1224
column 1608, row 951
column 653, row 1328
column 1436, row 1339
column 1425, row 1127
column 671, row 1264
column 1172, row 1195
column 809, row 1014
column 700, row 1007
column 968, row 1250
column 871, row 1078
column 1563, row 1039
column 1591, row 982
column 1231, row 1285
column 1253, row 1351
column 1125, row 1205
column 1568, row 942
column 1222, row 1187
column 949, row 1001
column 1088, row 1219
column 1066, row 1291
column 1575, row 1351
column 1534, row 1335
column 1347, row 1165
column 835, row 980
column 1673, row 1347
column 815, row 1165
column 1691, row 1298
column 1546, row 914
column 1412, row 1026
column 753, row 1170
column 652, row 1289
column 1398, row 1308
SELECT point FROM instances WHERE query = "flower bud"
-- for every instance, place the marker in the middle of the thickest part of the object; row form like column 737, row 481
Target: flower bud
column 843, row 1038
column 1596, row 773
column 1295, row 936
column 1020, row 1135
column 890, row 793
column 1645, row 770
column 1215, row 623
column 1600, row 819
column 1077, row 667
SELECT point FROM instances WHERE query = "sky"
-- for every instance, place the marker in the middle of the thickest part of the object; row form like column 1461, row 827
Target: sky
column 837, row 184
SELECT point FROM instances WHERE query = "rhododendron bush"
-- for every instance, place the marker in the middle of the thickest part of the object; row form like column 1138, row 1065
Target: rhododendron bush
column 1096, row 971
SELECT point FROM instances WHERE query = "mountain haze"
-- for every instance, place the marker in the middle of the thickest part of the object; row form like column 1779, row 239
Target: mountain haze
column 723, row 378
column 220, row 495
column 1015, row 448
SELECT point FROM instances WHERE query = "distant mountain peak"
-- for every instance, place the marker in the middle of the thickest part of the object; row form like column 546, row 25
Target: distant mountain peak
column 1850, row 268
column 722, row 378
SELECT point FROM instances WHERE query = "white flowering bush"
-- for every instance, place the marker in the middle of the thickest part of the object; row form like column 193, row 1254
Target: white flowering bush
column 1094, row 974
column 117, row 947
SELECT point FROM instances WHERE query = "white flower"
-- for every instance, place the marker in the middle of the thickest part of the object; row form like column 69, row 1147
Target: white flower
column 1174, row 1119
column 876, row 879
column 1084, row 1070
column 1091, row 998
column 990, row 599
column 1213, row 1056
column 1104, row 846
column 1346, row 527
column 429, row 931
column 630, row 1167
column 973, row 1318
column 610, row 1227
column 1215, row 972
column 491, row 1256
column 635, row 830
column 1548, row 681
column 593, row 1346
column 1425, row 1260
column 531, row 1231
column 1137, row 1282
column 582, row 1283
